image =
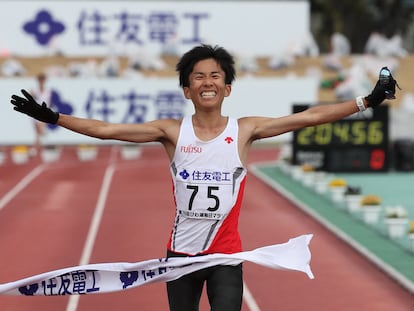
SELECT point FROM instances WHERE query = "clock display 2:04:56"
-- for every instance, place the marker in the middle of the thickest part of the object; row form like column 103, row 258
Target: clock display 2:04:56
column 344, row 132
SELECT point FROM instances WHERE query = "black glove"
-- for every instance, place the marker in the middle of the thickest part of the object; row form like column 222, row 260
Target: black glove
column 384, row 88
column 30, row 107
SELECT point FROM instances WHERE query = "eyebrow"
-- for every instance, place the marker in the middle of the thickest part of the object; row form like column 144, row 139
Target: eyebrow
column 202, row 73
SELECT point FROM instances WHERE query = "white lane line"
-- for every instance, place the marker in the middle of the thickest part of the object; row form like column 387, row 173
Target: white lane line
column 249, row 300
column 96, row 220
column 93, row 229
column 21, row 185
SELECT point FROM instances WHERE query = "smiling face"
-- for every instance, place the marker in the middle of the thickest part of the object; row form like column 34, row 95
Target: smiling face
column 207, row 87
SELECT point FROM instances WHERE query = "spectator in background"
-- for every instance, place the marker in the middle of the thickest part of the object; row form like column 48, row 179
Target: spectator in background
column 109, row 67
column 305, row 45
column 302, row 46
column 11, row 67
column 42, row 94
column 355, row 81
column 171, row 47
column 340, row 46
column 379, row 45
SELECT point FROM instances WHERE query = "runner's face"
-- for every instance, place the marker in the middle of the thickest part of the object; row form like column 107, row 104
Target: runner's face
column 207, row 84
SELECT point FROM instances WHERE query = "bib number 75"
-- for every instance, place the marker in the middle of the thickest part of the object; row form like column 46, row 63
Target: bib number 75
column 210, row 195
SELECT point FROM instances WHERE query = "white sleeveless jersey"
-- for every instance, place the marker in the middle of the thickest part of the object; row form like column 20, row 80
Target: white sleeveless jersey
column 208, row 179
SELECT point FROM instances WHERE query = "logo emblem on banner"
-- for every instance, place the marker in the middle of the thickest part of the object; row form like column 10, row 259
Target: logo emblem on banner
column 43, row 27
column 58, row 104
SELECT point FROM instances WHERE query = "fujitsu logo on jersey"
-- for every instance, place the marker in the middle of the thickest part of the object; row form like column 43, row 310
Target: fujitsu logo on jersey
column 191, row 149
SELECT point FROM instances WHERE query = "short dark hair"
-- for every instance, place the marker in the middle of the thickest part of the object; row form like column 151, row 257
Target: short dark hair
column 186, row 64
column 41, row 76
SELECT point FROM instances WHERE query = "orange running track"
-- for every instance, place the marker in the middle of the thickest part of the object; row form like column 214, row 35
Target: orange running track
column 65, row 213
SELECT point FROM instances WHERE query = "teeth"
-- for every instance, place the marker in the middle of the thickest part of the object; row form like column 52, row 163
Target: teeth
column 208, row 94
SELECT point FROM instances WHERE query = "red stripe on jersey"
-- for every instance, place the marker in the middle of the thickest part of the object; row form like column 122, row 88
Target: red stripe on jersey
column 227, row 239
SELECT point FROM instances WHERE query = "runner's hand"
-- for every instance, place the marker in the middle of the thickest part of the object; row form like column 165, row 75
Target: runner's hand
column 29, row 106
column 384, row 88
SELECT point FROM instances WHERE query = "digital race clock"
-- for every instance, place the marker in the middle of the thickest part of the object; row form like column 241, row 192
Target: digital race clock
column 358, row 143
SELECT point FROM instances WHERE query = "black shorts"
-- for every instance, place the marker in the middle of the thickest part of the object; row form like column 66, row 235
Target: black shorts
column 224, row 286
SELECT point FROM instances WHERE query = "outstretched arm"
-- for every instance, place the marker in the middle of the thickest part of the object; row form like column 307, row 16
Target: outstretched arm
column 159, row 130
column 263, row 127
column 139, row 133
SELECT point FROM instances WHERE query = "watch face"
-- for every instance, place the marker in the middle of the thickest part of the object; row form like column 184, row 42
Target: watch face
column 356, row 143
column 385, row 78
column 385, row 75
